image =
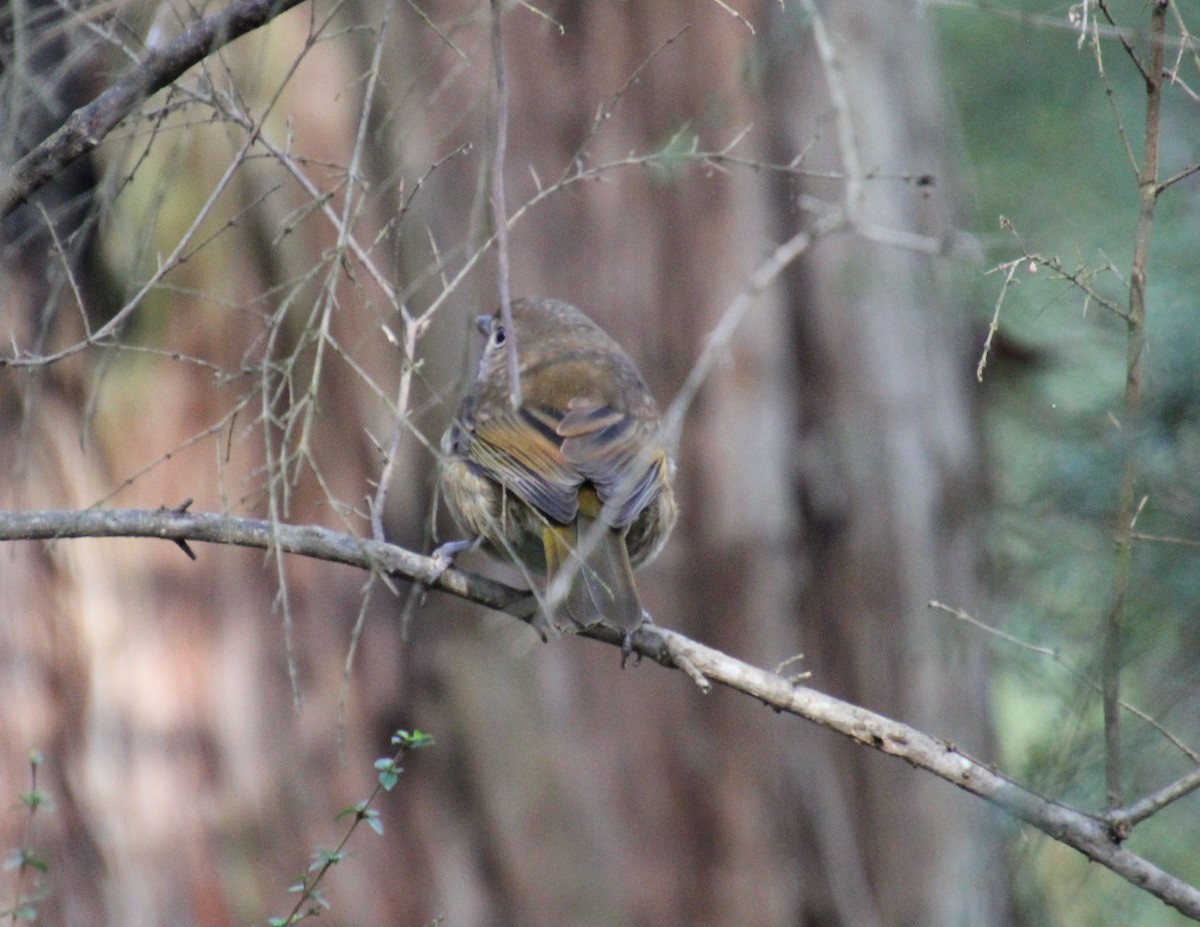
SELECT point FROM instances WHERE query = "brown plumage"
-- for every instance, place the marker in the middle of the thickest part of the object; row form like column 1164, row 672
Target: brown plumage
column 576, row 483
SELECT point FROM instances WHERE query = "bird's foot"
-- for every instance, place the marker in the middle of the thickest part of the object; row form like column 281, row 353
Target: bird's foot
column 443, row 558
column 627, row 642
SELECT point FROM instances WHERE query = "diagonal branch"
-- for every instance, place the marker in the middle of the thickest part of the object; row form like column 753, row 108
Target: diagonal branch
column 1123, row 819
column 88, row 126
column 1091, row 836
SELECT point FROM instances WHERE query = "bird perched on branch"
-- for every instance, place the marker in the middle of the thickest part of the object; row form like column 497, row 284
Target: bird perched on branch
column 575, row 481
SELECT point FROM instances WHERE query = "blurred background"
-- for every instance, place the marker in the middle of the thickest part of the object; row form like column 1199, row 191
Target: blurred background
column 260, row 232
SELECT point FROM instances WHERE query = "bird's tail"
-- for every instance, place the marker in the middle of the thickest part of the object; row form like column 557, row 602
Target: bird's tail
column 590, row 578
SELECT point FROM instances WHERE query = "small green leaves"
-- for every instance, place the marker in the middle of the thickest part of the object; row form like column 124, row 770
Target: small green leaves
column 389, row 772
column 414, row 741
column 310, row 902
column 20, row 858
column 362, row 812
column 323, row 859
column 37, row 799
column 389, row 767
column 668, row 163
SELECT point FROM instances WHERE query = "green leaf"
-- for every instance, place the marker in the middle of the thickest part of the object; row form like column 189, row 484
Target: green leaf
column 668, row 163
column 374, row 822
column 34, row 861
column 36, row 799
column 325, row 858
column 19, row 857
column 413, row 741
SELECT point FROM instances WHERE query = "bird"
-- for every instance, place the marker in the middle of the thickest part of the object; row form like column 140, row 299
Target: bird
column 575, row 482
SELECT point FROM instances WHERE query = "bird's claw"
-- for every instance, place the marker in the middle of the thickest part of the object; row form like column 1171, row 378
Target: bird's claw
column 443, row 558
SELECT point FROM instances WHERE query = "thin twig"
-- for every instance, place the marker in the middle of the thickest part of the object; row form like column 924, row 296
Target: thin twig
column 994, row 324
column 1078, row 278
column 1148, row 77
column 438, row 32
column 1112, row 104
column 1053, row 23
column 1161, row 539
column 122, row 315
column 499, row 207
column 1182, row 175
column 1071, row 671
column 605, row 112
column 839, row 99
column 736, row 15
column 1123, row 820
column 722, row 334
column 87, row 126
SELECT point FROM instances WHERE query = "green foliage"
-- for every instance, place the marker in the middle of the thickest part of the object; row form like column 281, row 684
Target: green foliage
column 677, row 154
column 23, row 861
column 307, row 886
column 1046, row 152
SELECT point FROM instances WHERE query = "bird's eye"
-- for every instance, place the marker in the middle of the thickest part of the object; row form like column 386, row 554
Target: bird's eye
column 498, row 336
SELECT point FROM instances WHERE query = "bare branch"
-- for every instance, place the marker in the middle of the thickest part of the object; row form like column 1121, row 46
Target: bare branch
column 1092, row 837
column 121, row 316
column 87, row 127
column 1067, row 825
column 499, row 207
column 839, row 98
column 723, row 332
column 735, row 14
column 306, row 541
column 994, row 325
column 1074, row 673
column 1175, row 178
column 1112, row 100
column 1114, row 622
column 1123, row 820
column 1049, row 23
column 1128, row 46
column 605, row 111
column 1161, row 539
column 1080, row 279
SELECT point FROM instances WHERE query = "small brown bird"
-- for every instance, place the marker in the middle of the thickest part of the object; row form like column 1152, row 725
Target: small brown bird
column 576, row 483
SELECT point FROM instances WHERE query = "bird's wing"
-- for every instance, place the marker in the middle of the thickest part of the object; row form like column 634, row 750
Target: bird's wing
column 620, row 454
column 519, row 450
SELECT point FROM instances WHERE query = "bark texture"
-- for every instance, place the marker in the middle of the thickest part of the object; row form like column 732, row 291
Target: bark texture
column 828, row 474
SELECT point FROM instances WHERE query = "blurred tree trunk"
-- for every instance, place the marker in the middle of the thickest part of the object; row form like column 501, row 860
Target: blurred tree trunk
column 888, row 468
column 827, row 474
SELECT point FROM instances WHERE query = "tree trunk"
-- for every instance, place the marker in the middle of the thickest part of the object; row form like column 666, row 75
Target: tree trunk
column 888, row 472
column 827, row 475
